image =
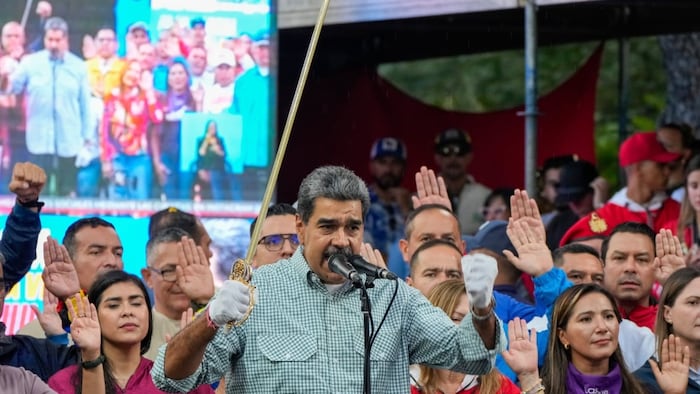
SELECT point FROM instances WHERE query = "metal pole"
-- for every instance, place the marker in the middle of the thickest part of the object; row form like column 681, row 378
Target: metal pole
column 623, row 49
column 531, row 96
column 25, row 15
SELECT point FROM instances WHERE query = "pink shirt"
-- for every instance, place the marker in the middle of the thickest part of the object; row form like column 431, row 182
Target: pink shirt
column 139, row 383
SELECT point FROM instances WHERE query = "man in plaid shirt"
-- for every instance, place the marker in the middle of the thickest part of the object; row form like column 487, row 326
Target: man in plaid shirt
column 305, row 333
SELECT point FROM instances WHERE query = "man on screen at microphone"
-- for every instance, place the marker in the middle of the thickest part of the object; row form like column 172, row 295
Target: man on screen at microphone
column 305, row 333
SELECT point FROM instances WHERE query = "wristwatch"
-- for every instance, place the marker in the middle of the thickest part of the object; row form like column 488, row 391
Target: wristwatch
column 31, row 204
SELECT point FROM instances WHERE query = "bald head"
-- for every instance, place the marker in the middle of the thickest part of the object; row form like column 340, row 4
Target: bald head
column 12, row 37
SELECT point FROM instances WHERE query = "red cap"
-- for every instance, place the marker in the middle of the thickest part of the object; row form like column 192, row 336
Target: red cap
column 644, row 146
column 591, row 226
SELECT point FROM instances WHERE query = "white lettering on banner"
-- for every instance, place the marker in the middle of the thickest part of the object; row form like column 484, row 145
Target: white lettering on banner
column 595, row 390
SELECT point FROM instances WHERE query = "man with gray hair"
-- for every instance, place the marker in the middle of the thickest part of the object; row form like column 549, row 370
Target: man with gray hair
column 178, row 273
column 57, row 92
column 305, row 331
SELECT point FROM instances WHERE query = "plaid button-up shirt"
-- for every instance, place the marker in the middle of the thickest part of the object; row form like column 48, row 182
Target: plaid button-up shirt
column 301, row 338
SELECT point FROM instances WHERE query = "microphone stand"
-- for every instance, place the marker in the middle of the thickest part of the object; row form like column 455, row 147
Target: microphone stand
column 366, row 308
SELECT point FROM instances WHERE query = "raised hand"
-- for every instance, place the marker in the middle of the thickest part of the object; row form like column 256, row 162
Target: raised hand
column 185, row 319
column 27, row 181
column 59, row 275
column 669, row 255
column 672, row 376
column 49, row 319
column 85, row 327
column 430, row 189
column 480, row 272
column 521, row 355
column 373, row 256
column 522, row 206
column 534, row 256
column 193, row 273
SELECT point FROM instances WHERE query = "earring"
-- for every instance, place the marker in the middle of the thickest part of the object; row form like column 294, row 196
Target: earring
column 566, row 346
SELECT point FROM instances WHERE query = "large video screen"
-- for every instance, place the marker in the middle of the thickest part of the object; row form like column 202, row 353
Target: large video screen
column 144, row 105
column 161, row 102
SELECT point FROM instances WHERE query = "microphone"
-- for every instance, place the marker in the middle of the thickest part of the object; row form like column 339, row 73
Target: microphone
column 339, row 264
column 370, row 269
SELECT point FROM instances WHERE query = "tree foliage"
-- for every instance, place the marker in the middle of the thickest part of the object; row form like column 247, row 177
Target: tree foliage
column 491, row 81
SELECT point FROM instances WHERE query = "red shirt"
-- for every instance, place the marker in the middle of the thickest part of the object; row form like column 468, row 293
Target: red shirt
column 139, row 383
column 600, row 223
column 507, row 387
column 125, row 123
column 643, row 316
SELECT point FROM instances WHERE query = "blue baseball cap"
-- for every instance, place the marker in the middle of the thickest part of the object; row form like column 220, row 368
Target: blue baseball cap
column 262, row 38
column 388, row 146
column 197, row 21
column 492, row 236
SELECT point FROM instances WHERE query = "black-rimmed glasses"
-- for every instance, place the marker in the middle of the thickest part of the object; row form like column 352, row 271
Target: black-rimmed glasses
column 274, row 242
column 167, row 273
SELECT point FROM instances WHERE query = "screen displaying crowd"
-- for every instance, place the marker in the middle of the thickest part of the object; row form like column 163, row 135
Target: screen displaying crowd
column 162, row 103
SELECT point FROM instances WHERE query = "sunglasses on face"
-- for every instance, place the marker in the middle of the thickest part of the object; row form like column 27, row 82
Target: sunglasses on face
column 451, row 150
column 274, row 242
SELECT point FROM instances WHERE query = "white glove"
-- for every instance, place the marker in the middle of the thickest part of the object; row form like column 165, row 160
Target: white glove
column 480, row 272
column 230, row 303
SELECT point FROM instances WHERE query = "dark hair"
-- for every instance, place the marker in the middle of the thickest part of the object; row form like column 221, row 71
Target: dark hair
column 332, row 182
column 558, row 357
column 75, row 227
column 429, row 245
column 631, row 228
column 408, row 229
column 173, row 217
column 102, row 283
column 685, row 130
column 557, row 162
column 278, row 209
column 687, row 215
column 164, row 236
column 189, row 101
column 502, row 192
column 56, row 23
column 575, row 248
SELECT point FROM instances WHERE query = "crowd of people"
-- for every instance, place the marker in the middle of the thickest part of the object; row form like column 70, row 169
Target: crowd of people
column 105, row 125
column 573, row 290
column 612, row 308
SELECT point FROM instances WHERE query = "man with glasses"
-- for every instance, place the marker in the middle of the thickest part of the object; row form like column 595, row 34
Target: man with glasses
column 278, row 237
column 453, row 154
column 178, row 273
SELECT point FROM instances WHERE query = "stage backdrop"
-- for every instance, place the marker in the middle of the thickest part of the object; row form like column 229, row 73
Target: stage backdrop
column 341, row 115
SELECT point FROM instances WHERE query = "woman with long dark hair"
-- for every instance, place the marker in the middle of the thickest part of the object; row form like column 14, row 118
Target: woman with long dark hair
column 211, row 160
column 113, row 332
column 176, row 101
column 583, row 350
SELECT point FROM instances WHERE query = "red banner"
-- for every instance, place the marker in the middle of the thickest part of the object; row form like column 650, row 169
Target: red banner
column 340, row 116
